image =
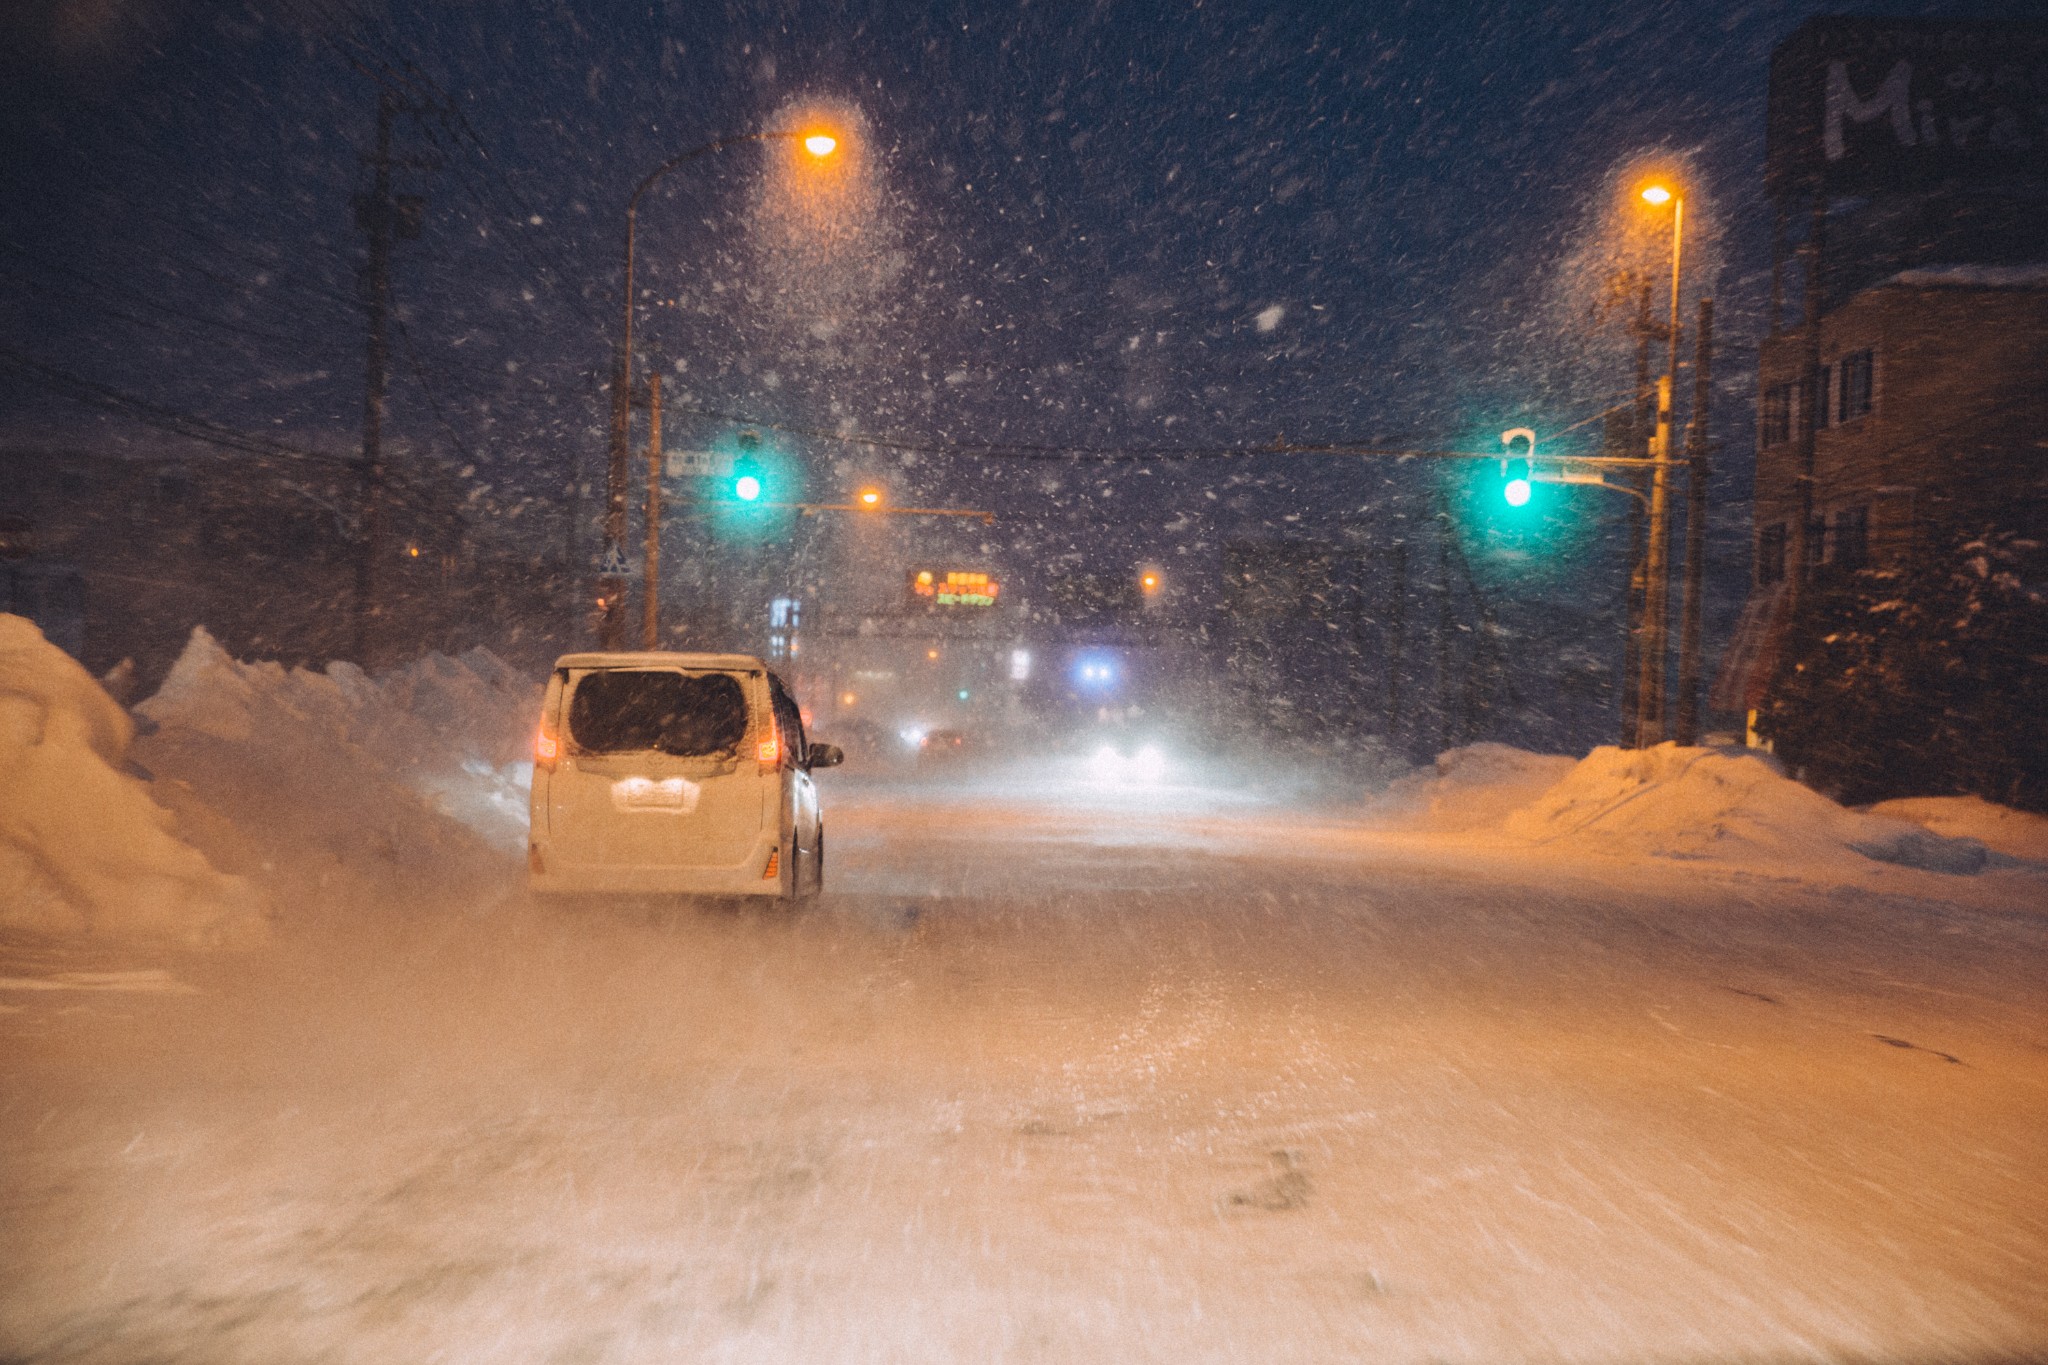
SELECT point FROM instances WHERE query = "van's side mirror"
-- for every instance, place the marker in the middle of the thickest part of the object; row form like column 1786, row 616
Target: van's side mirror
column 827, row 756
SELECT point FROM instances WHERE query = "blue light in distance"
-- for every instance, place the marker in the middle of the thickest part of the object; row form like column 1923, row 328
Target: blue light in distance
column 1095, row 672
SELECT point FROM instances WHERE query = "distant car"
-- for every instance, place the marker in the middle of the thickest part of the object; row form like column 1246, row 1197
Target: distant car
column 683, row 773
column 943, row 746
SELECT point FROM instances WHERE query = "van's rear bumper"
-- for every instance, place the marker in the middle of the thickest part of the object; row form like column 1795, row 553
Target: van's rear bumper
column 551, row 876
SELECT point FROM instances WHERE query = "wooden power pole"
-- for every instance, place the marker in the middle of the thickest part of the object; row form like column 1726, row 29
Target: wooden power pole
column 382, row 217
column 1688, row 731
column 650, row 586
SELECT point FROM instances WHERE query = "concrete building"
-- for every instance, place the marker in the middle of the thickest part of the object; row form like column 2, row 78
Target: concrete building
column 1902, row 402
column 1929, row 414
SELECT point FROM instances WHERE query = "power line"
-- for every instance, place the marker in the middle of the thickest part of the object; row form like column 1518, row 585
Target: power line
column 141, row 300
column 91, row 393
column 397, row 72
column 1095, row 453
column 541, row 269
column 412, row 363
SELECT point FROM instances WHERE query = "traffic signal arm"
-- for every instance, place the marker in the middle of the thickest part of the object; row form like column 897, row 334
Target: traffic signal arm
column 869, row 509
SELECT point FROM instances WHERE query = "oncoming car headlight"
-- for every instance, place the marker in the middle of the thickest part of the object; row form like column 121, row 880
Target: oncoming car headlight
column 1111, row 767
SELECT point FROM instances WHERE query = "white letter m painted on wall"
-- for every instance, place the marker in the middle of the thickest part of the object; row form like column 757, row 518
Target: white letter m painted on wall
column 1842, row 104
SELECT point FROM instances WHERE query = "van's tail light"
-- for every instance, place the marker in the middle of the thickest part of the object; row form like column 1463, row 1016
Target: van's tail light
column 771, row 747
column 546, row 748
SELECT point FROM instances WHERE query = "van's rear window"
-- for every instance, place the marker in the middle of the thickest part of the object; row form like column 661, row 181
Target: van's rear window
column 621, row 711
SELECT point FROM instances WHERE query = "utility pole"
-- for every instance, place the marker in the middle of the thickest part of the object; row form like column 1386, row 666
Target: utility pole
column 1657, row 568
column 383, row 216
column 650, row 587
column 1657, row 577
column 1635, row 432
column 1443, row 623
column 1688, row 732
column 1397, row 639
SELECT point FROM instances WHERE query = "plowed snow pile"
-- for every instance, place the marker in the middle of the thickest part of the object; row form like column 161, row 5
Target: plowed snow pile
column 1668, row 802
column 1475, row 787
column 2015, row 833
column 1734, row 805
column 83, row 846
column 338, row 785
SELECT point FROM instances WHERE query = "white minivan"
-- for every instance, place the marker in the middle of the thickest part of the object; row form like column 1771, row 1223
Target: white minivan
column 674, row 773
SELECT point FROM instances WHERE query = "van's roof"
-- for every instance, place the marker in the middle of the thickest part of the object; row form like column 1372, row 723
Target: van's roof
column 662, row 658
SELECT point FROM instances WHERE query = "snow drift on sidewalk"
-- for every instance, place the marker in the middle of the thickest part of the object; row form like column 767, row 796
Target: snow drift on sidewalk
column 1475, row 787
column 1734, row 805
column 82, row 844
column 336, row 784
column 2015, row 833
column 1670, row 802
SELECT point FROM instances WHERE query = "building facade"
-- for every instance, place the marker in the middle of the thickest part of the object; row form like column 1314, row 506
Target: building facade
column 1901, row 394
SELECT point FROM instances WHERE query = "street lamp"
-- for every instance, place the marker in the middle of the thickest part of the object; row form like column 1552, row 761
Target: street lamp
column 1657, row 558
column 611, row 587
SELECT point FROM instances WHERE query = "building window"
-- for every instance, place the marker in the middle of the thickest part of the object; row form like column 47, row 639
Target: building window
column 1824, row 385
column 1851, row 548
column 1777, row 415
column 1816, row 543
column 1855, row 388
column 1770, row 555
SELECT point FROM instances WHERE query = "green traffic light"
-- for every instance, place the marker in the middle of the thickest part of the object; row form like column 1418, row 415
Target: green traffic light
column 1516, row 488
column 746, row 488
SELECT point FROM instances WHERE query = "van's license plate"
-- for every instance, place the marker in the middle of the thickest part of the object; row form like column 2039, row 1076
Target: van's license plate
column 666, row 796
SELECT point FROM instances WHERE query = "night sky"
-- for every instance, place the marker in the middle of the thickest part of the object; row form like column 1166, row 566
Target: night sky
column 1149, row 225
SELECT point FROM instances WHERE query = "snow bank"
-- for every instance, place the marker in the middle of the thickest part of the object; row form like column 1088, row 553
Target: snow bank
column 82, row 844
column 1730, row 805
column 336, row 784
column 1725, row 804
column 2013, row 833
column 1475, row 787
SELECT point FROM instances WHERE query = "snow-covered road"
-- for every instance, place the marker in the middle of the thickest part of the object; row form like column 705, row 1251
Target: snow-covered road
column 1055, row 1079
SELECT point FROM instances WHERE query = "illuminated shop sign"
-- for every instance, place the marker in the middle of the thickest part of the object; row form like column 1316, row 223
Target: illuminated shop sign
column 953, row 588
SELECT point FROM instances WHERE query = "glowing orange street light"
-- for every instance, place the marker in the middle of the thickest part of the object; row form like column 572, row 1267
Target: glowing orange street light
column 1149, row 581
column 870, row 497
column 821, row 144
column 1657, row 555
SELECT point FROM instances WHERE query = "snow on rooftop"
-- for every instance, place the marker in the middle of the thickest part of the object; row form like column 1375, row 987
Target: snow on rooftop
column 2034, row 276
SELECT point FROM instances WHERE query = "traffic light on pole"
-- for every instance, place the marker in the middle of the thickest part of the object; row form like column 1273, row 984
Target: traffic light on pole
column 747, row 484
column 1515, row 474
column 1516, row 489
